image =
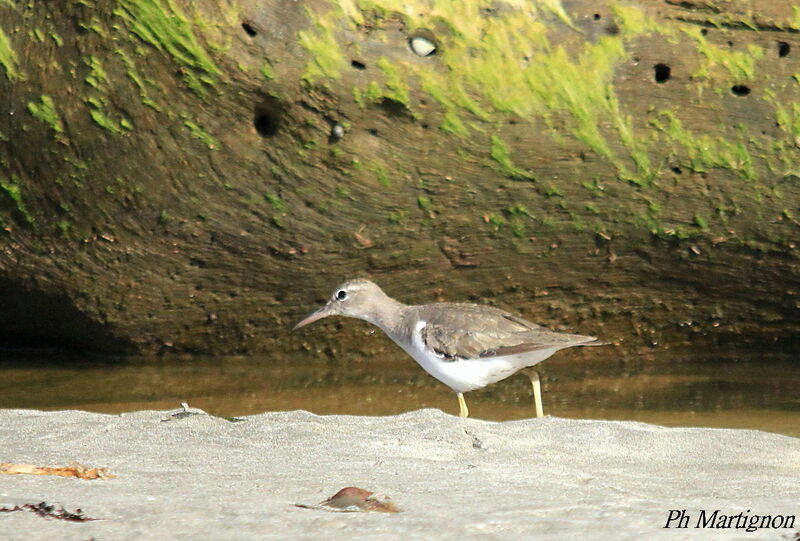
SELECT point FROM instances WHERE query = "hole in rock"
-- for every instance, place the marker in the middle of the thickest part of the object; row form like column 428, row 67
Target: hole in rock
column 662, row 72
column 393, row 107
column 740, row 90
column 268, row 116
column 249, row 29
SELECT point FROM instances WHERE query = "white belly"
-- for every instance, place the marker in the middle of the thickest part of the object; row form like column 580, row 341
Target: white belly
column 470, row 374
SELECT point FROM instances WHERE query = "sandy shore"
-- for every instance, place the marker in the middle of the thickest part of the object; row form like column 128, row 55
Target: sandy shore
column 202, row 477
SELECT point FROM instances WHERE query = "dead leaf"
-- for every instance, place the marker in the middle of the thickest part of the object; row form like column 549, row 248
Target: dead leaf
column 73, row 470
column 361, row 499
column 362, row 240
column 352, row 499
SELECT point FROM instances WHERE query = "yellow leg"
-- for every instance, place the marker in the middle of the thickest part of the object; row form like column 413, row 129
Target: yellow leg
column 533, row 375
column 463, row 410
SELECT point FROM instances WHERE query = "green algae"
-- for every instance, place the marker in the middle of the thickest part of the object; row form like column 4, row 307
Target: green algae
column 739, row 65
column 102, row 120
column 424, row 203
column 396, row 88
column 275, row 202
column 518, row 219
column 8, row 59
column 373, row 92
column 95, row 26
column 99, row 81
column 633, row 22
column 700, row 222
column 787, row 115
column 381, row 175
column 266, row 71
column 13, row 192
column 133, row 75
column 358, row 97
column 495, row 222
column 504, row 63
column 452, row 101
column 704, row 152
column 163, row 25
column 45, row 111
column 499, row 153
column 327, row 60
column 97, row 75
column 200, row 134
column 594, row 186
column 131, row 72
column 64, row 227
column 551, row 191
column 452, row 123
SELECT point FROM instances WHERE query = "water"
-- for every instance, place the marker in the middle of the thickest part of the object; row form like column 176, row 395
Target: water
column 731, row 391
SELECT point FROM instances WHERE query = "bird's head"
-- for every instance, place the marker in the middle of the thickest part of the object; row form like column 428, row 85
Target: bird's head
column 354, row 298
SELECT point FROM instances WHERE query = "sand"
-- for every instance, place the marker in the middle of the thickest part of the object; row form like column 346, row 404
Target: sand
column 203, row 477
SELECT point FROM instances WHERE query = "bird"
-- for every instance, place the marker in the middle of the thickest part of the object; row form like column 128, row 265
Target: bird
column 465, row 346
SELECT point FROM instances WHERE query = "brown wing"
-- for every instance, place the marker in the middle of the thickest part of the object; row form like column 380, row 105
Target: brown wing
column 470, row 331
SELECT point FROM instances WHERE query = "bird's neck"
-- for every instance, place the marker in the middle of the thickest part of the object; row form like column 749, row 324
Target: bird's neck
column 388, row 315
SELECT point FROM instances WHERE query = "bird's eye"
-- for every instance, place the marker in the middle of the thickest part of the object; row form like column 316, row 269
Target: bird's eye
column 341, row 294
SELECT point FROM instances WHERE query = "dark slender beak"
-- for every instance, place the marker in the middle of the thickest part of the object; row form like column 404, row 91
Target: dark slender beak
column 325, row 311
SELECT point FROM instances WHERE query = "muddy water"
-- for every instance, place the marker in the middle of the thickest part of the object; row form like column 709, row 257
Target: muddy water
column 713, row 390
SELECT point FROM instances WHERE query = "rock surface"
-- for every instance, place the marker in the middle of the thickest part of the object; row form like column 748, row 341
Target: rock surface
column 171, row 179
column 202, row 477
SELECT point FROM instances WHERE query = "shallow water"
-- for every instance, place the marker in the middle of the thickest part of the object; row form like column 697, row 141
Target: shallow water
column 663, row 388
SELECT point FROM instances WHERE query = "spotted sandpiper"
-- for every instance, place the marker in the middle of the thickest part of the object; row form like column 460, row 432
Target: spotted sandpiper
column 465, row 346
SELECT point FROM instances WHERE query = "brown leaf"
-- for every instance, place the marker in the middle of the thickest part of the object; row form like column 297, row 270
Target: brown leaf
column 362, row 240
column 73, row 470
column 356, row 499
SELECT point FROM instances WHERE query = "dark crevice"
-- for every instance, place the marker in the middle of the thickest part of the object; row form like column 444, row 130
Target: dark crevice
column 268, row 116
column 31, row 318
column 736, row 25
column 697, row 6
column 358, row 65
column 740, row 90
column 783, row 49
column 662, row 72
column 393, row 107
column 249, row 29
